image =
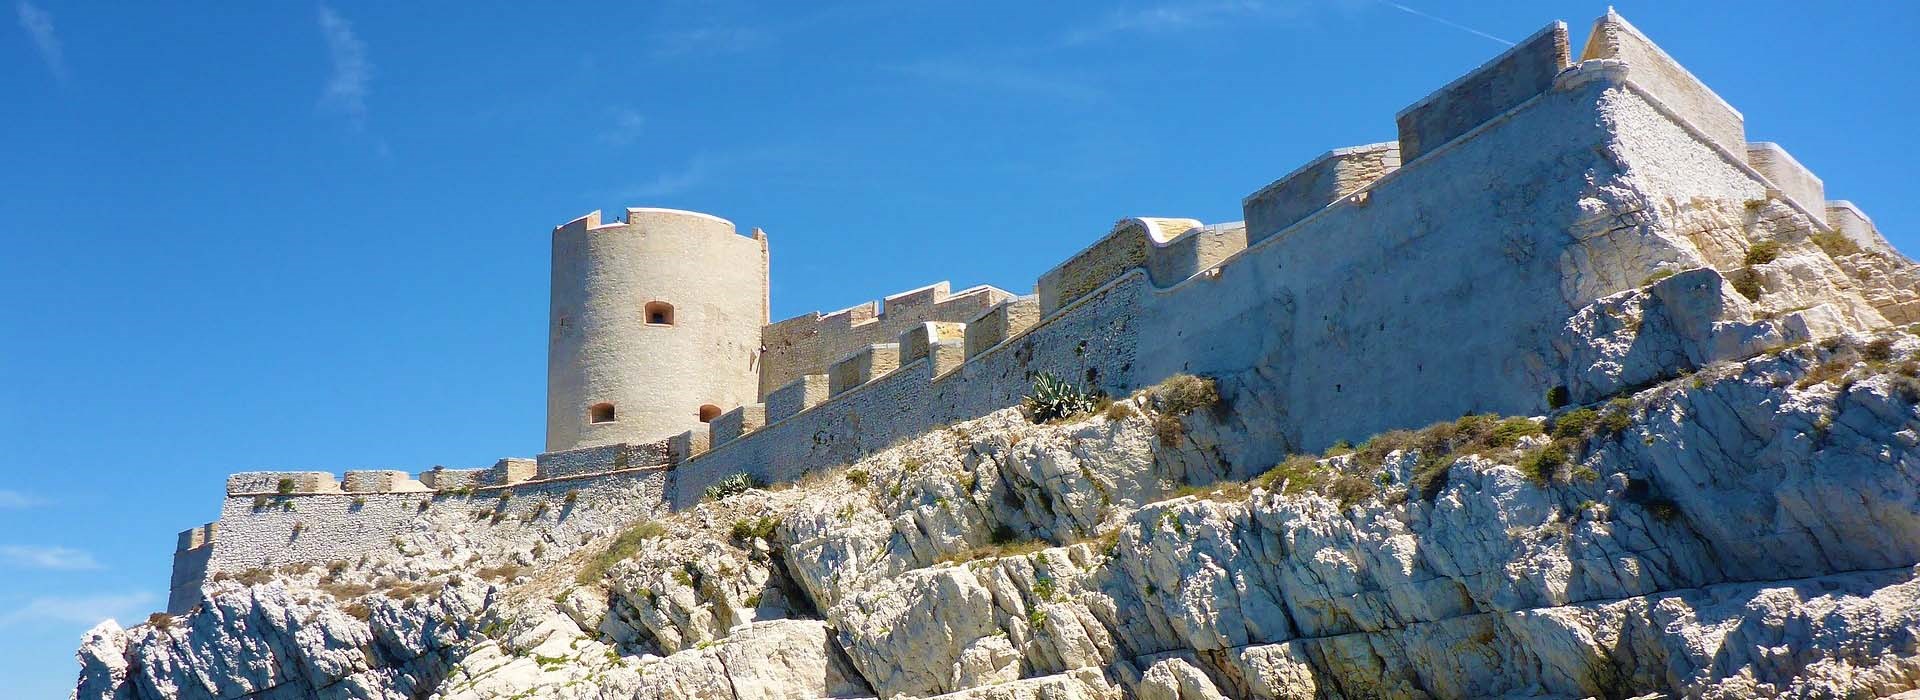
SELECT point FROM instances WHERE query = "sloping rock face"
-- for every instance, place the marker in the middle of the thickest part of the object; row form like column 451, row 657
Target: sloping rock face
column 1749, row 529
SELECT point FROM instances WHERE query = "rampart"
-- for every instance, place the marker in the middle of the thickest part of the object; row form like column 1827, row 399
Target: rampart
column 1350, row 280
column 809, row 343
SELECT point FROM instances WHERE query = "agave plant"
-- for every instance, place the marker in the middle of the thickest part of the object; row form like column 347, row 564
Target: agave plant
column 1054, row 398
column 737, row 482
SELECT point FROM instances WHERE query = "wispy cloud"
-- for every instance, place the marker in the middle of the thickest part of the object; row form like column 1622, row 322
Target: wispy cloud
column 1442, row 20
column 623, row 126
column 82, row 610
column 695, row 173
column 347, row 85
column 48, row 557
column 1171, row 17
column 39, row 25
column 706, row 41
column 1000, row 77
column 14, row 500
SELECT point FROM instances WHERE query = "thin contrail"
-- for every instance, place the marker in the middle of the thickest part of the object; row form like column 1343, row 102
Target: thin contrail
column 1455, row 25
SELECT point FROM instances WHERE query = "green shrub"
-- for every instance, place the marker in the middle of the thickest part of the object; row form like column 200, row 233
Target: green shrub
column 1747, row 283
column 285, row 486
column 622, row 548
column 750, row 529
column 1543, row 465
column 1575, row 423
column 731, row 484
column 1297, row 475
column 1558, row 397
column 1508, row 433
column 1880, row 350
column 857, row 477
column 1835, row 244
column 1182, row 394
column 1763, row 252
column 1055, row 399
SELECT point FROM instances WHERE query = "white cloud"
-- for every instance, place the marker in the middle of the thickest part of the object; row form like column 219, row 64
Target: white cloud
column 346, row 88
column 12, row 500
column 39, row 26
column 696, row 172
column 51, row 557
column 705, row 41
column 80, row 610
column 623, row 126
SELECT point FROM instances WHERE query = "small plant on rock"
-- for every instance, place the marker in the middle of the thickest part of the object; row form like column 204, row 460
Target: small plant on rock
column 1763, row 252
column 731, row 484
column 1055, row 399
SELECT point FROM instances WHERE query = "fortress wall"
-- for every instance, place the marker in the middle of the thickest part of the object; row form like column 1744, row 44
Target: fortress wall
column 1123, row 248
column 798, row 395
column 861, row 367
column 1499, row 85
column 1000, row 323
column 604, row 458
column 1197, row 249
column 1092, row 342
column 1317, row 334
column 1795, row 181
column 1669, row 82
column 1847, row 219
column 737, row 422
column 444, row 479
column 270, row 482
column 1315, row 185
column 917, row 342
column 344, row 527
column 190, row 561
column 810, row 343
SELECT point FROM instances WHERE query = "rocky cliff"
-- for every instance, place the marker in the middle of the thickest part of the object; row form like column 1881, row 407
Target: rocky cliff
column 1724, row 508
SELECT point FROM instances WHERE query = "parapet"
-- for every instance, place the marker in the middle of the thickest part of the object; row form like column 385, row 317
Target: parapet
column 1664, row 78
column 1794, row 180
column 1000, row 323
column 594, row 460
column 862, row 366
column 1313, row 186
column 811, row 342
column 639, row 216
column 1497, row 86
column 1849, row 221
column 796, row 396
column 735, row 423
column 511, row 470
column 916, row 342
column 196, row 538
column 380, row 481
column 256, row 483
column 444, row 479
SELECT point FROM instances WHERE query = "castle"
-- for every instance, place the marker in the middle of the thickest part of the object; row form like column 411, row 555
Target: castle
column 1451, row 256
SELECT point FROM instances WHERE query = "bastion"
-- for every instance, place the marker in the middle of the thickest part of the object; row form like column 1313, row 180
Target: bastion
column 1448, row 255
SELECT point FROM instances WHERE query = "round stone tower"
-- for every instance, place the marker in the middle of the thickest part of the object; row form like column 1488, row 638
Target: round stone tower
column 654, row 326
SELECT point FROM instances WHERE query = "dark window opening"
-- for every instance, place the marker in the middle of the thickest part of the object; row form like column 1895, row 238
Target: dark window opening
column 708, row 413
column 601, row 413
column 659, row 313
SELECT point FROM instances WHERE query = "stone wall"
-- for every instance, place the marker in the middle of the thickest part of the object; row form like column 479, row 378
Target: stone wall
column 1499, row 85
column 271, row 531
column 1669, row 82
column 808, row 344
column 1795, row 181
column 1313, row 186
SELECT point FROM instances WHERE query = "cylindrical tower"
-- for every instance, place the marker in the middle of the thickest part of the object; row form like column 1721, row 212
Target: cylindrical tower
column 654, row 326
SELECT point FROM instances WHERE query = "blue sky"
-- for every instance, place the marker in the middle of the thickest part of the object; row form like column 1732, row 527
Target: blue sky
column 288, row 235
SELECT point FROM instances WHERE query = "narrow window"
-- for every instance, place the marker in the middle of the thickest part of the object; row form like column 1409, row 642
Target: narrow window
column 659, row 313
column 708, row 413
column 601, row 413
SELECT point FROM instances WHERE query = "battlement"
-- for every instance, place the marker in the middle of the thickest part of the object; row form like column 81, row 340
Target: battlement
column 811, row 342
column 636, row 216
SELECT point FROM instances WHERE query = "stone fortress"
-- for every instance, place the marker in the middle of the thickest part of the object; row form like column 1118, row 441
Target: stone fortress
column 1453, row 256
